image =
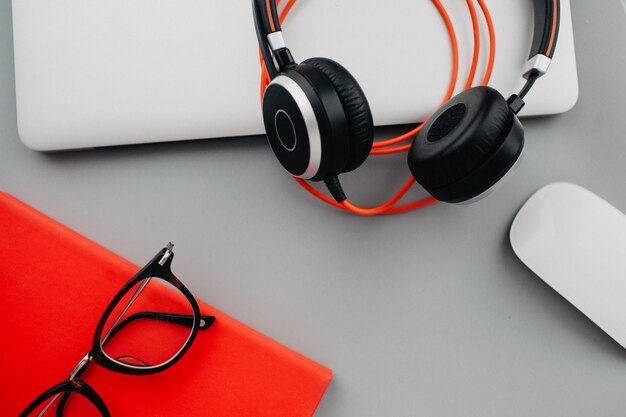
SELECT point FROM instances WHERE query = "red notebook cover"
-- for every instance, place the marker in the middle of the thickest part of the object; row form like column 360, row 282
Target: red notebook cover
column 55, row 285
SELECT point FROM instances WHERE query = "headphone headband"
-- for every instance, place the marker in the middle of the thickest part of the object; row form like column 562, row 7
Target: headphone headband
column 262, row 27
column 547, row 21
column 547, row 17
column 270, row 37
column 546, row 33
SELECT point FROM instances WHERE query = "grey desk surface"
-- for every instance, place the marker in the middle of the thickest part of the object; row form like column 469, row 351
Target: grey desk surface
column 428, row 313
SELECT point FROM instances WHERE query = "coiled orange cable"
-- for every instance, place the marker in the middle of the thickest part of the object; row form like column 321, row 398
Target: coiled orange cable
column 385, row 147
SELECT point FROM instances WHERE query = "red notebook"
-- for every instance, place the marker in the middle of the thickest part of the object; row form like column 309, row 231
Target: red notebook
column 55, row 285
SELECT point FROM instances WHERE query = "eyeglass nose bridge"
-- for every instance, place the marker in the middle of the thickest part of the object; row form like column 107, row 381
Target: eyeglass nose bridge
column 81, row 366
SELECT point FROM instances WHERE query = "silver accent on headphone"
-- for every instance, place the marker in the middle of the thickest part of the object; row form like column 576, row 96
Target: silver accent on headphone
column 276, row 40
column 497, row 185
column 295, row 134
column 539, row 63
column 310, row 121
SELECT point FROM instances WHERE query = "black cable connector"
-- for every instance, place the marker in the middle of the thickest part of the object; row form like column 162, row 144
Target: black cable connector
column 516, row 103
column 530, row 81
column 284, row 59
column 334, row 186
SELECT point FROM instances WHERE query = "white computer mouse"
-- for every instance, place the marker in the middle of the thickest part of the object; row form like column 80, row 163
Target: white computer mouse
column 576, row 242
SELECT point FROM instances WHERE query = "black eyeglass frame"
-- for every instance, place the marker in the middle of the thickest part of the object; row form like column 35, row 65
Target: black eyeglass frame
column 65, row 388
column 153, row 269
column 159, row 267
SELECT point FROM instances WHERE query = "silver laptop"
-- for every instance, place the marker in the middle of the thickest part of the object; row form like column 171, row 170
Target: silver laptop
column 99, row 73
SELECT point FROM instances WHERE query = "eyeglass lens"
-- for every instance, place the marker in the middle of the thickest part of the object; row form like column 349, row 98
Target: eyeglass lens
column 149, row 325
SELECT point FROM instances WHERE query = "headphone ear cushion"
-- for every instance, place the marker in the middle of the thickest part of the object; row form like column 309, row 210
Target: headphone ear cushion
column 356, row 107
column 467, row 145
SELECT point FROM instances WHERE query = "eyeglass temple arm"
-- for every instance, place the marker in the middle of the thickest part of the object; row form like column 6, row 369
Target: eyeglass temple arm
column 180, row 319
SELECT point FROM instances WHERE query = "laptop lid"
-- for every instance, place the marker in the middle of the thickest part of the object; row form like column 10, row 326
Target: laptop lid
column 92, row 73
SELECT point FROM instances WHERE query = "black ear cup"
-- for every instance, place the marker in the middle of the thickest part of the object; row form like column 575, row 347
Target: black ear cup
column 466, row 146
column 317, row 120
column 356, row 107
column 290, row 114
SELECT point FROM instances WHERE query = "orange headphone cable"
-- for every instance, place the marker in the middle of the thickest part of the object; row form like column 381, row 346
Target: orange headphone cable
column 468, row 84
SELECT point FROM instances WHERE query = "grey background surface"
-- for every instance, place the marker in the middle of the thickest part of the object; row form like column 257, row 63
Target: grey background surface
column 428, row 313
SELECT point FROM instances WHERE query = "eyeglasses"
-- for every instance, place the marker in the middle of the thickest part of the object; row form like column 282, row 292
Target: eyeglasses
column 131, row 338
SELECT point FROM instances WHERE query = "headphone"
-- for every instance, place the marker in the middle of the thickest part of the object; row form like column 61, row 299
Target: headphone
column 319, row 124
